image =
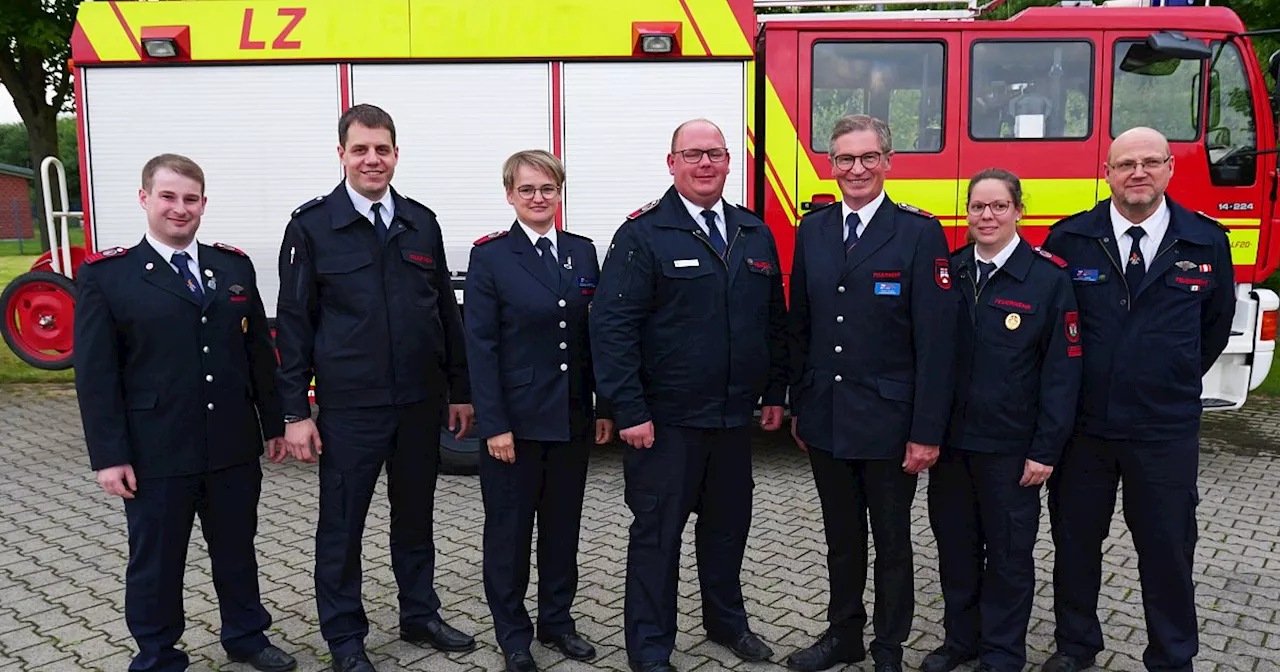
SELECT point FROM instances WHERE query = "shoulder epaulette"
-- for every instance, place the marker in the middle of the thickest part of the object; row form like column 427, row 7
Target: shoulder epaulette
column 816, row 208
column 579, row 236
column 417, row 203
column 228, row 248
column 1071, row 218
column 1057, row 261
column 745, row 209
column 914, row 210
column 1213, row 221
column 645, row 208
column 104, row 254
column 308, row 205
column 491, row 237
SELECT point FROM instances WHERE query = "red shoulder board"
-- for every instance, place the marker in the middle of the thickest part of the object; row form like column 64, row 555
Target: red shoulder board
column 1058, row 261
column 224, row 246
column 914, row 210
column 493, row 236
column 104, row 254
column 644, row 208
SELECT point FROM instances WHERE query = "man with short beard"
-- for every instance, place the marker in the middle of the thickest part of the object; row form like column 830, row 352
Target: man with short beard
column 1155, row 286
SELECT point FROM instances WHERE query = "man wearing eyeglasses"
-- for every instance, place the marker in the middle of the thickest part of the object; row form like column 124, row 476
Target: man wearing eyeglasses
column 1155, row 285
column 872, row 345
column 687, row 338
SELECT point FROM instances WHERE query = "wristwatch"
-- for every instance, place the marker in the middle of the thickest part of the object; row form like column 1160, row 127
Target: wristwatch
column 290, row 419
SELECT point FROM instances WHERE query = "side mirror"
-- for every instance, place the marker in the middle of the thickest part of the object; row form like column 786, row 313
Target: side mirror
column 1273, row 66
column 1173, row 44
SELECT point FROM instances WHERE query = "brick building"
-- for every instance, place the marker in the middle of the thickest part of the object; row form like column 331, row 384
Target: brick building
column 15, row 202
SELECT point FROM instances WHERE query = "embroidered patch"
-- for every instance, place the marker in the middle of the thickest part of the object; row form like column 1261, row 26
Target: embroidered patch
column 886, row 275
column 1072, row 323
column 1075, row 350
column 942, row 273
column 760, row 266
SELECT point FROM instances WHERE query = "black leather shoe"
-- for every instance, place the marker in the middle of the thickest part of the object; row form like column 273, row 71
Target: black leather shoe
column 521, row 661
column 746, row 646
column 944, row 660
column 889, row 666
column 438, row 635
column 830, row 650
column 269, row 659
column 570, row 644
column 661, row 666
column 354, row 663
column 1061, row 662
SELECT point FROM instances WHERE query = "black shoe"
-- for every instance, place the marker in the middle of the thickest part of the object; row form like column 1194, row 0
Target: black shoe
column 830, row 650
column 889, row 666
column 746, row 646
column 521, row 661
column 354, row 663
column 269, row 659
column 660, row 666
column 944, row 659
column 439, row 636
column 984, row 667
column 570, row 644
column 1061, row 662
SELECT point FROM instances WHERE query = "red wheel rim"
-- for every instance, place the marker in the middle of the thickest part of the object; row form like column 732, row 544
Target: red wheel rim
column 41, row 317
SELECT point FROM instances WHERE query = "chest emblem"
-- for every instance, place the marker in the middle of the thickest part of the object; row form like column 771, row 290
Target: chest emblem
column 1012, row 321
column 942, row 273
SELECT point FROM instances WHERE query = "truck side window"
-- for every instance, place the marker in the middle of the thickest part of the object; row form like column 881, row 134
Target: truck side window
column 1031, row 90
column 1231, row 134
column 1150, row 89
column 900, row 82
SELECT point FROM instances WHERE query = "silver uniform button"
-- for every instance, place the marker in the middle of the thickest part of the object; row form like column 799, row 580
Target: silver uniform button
column 839, row 319
column 564, row 367
column 563, row 345
column 840, row 289
column 839, row 349
column 209, row 378
column 204, row 320
column 563, row 324
column 561, row 304
column 205, row 349
column 839, row 378
column 211, row 405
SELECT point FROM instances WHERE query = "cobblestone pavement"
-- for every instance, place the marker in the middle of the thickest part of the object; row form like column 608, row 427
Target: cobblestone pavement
column 63, row 553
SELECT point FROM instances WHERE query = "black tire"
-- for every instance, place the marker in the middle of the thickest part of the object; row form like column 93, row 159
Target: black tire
column 459, row 457
column 18, row 292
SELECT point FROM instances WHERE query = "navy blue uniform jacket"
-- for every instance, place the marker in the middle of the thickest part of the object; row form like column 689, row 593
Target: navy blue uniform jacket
column 527, row 341
column 1148, row 346
column 872, row 335
column 377, row 325
column 1018, row 357
column 681, row 336
column 168, row 383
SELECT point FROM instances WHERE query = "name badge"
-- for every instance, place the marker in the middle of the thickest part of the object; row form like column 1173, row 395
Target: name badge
column 686, row 263
column 888, row 289
column 1086, row 275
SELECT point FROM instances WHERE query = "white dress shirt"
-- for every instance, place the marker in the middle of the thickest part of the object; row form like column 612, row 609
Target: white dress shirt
column 696, row 213
column 364, row 206
column 534, row 236
column 1001, row 257
column 1156, row 225
column 166, row 253
column 865, row 213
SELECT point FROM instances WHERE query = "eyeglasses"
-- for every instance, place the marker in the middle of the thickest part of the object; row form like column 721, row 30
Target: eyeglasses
column 548, row 191
column 997, row 207
column 716, row 154
column 1148, row 165
column 845, row 161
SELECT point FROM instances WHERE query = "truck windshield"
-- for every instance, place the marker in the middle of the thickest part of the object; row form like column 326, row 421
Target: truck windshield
column 1149, row 90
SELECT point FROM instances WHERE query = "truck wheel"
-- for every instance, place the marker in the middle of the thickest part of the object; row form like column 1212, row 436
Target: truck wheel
column 39, row 317
column 459, row 458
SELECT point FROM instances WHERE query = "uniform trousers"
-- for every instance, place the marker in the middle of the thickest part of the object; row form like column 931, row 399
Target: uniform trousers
column 1160, row 499
column 850, row 490
column 357, row 443
column 687, row 470
column 547, row 480
column 985, row 524
column 159, row 518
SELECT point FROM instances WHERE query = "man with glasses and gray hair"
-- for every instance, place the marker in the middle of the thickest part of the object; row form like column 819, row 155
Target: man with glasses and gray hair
column 687, row 338
column 872, row 344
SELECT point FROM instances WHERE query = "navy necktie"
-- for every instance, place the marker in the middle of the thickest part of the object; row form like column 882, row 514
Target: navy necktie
column 179, row 261
column 379, row 225
column 985, row 269
column 1136, row 269
column 851, row 238
column 713, row 232
column 549, row 260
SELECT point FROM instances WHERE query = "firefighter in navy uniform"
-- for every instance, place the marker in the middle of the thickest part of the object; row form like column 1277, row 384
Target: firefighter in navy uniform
column 528, row 291
column 687, row 337
column 1018, row 372
column 872, row 347
column 367, row 307
column 1155, row 285
column 175, row 380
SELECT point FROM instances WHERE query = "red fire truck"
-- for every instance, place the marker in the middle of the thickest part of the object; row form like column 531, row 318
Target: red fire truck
column 251, row 89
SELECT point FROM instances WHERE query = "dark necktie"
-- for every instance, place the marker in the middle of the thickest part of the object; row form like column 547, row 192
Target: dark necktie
column 379, row 225
column 713, row 232
column 852, row 222
column 985, row 269
column 1136, row 269
column 179, row 261
column 549, row 260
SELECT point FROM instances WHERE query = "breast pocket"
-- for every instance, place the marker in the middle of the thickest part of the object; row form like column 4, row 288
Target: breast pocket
column 689, row 290
column 338, row 276
column 421, row 267
column 1011, row 323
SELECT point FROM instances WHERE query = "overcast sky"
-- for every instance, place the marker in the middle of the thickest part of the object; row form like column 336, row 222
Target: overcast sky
column 8, row 115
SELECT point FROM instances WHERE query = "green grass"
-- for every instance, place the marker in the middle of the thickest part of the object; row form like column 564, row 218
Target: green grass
column 12, row 369
column 9, row 248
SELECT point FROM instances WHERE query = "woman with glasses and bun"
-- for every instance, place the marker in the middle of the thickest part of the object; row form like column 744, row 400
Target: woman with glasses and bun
column 525, row 314
column 1018, row 374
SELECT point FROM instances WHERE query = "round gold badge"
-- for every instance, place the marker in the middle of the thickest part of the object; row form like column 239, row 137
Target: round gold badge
column 1012, row 321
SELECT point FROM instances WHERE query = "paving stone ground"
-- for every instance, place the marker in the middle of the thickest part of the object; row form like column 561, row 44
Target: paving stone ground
column 63, row 553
